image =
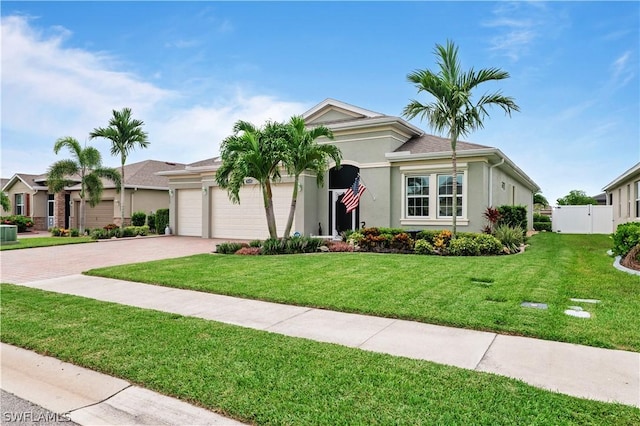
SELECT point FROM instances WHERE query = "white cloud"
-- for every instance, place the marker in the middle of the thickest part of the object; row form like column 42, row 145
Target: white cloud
column 50, row 90
column 622, row 71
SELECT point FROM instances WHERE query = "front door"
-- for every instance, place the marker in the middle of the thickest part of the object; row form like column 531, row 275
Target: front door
column 340, row 219
column 51, row 208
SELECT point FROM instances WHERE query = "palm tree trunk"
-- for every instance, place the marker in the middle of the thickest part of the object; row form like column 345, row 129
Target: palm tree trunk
column 122, row 194
column 454, row 163
column 82, row 216
column 292, row 209
column 268, row 208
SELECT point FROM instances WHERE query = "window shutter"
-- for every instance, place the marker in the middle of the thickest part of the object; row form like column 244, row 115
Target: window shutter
column 27, row 204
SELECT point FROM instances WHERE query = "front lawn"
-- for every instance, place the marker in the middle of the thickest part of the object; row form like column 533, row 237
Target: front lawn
column 482, row 293
column 265, row 378
column 32, row 242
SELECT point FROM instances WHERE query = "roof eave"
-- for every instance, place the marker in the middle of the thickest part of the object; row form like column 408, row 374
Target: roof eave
column 402, row 156
column 622, row 177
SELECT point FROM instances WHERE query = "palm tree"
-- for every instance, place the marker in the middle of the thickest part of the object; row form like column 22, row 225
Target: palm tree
column 85, row 164
column 453, row 111
column 253, row 152
column 125, row 134
column 303, row 153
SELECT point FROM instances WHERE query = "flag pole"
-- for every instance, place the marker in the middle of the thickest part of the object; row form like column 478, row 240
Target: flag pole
column 369, row 190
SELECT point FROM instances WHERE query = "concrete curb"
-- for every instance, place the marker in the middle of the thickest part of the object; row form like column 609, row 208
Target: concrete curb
column 91, row 398
column 619, row 267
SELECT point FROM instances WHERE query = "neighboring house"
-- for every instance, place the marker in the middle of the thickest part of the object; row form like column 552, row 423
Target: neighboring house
column 407, row 174
column 145, row 190
column 623, row 193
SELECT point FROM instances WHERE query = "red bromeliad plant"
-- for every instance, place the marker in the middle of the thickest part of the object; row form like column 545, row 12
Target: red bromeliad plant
column 493, row 217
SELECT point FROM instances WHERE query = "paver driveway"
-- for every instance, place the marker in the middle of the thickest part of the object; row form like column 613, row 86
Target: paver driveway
column 21, row 266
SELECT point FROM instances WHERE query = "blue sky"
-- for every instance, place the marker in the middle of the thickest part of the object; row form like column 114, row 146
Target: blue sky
column 191, row 69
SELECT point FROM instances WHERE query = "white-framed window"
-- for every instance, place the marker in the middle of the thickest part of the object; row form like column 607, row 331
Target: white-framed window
column 445, row 195
column 638, row 198
column 417, row 196
column 629, row 200
column 19, row 204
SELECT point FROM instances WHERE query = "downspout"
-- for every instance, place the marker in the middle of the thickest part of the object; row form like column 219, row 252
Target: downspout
column 491, row 181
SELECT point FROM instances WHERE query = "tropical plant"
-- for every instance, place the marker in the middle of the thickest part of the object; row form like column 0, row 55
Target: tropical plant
column 125, row 134
column 253, row 152
column 5, row 202
column 21, row 222
column 229, row 247
column 453, row 112
column 511, row 237
column 84, row 166
column 576, row 198
column 138, row 218
column 626, row 237
column 493, row 217
column 304, row 153
column 423, row 247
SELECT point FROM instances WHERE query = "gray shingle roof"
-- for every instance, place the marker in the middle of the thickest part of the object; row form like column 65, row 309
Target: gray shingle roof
column 208, row 162
column 426, row 144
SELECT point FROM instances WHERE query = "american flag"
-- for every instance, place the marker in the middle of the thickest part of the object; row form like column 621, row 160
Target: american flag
column 352, row 195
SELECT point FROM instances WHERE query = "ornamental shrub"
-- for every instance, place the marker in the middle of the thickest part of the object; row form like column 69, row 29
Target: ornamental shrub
column 255, row 243
column 74, row 232
column 99, row 234
column 355, row 238
column 423, row 247
column 514, row 216
column 273, row 246
column 402, row 242
column 464, row 246
column 339, row 246
column 510, row 237
column 488, row 244
column 626, row 237
column 228, row 247
column 249, row 251
column 428, row 235
column 129, row 231
column 138, row 218
column 162, row 220
column 542, row 226
column 55, row 232
column 21, row 222
column 151, row 222
column 537, row 217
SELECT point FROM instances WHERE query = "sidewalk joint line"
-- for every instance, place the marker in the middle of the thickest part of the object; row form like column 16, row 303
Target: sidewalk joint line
column 289, row 318
column 484, row 355
column 378, row 332
column 100, row 402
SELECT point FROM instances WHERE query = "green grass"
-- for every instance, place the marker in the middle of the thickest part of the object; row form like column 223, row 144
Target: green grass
column 265, row 378
column 44, row 242
column 482, row 293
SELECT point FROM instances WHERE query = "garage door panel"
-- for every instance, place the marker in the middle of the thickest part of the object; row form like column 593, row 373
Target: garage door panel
column 189, row 212
column 247, row 220
column 98, row 216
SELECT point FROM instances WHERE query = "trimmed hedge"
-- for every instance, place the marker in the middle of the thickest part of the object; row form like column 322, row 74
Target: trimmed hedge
column 513, row 216
column 626, row 237
column 162, row 220
column 138, row 218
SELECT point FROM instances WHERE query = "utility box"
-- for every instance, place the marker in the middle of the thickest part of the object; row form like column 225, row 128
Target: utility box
column 8, row 234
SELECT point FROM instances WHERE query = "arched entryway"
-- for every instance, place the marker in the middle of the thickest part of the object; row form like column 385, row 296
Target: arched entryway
column 339, row 181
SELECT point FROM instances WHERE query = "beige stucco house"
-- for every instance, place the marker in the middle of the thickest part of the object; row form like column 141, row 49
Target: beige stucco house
column 145, row 190
column 406, row 171
column 623, row 193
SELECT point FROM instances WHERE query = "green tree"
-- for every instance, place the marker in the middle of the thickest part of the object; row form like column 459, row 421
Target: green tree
column 5, row 202
column 304, row 153
column 540, row 199
column 86, row 166
column 125, row 134
column 253, row 152
column 453, row 110
column 576, row 198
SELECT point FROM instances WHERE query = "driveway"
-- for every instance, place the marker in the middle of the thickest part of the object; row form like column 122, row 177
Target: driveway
column 21, row 266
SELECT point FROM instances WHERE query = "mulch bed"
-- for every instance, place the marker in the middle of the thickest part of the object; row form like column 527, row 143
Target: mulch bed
column 631, row 259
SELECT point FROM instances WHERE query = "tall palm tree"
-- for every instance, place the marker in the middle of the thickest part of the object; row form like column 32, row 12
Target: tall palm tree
column 253, row 152
column 85, row 164
column 303, row 153
column 453, row 111
column 125, row 134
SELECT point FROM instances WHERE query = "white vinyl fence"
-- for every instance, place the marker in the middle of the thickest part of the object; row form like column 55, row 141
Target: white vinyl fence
column 583, row 219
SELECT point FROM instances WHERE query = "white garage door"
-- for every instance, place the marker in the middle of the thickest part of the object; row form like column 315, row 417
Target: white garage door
column 189, row 217
column 98, row 216
column 247, row 220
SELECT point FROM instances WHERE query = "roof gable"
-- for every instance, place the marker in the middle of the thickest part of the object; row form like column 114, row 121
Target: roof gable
column 426, row 143
column 331, row 110
column 631, row 173
column 27, row 179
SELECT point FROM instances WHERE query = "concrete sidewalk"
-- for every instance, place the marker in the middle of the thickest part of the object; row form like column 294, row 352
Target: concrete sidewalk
column 90, row 398
column 582, row 371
